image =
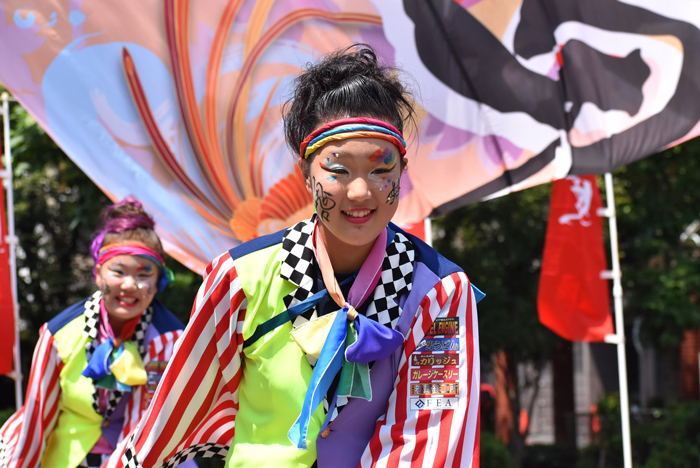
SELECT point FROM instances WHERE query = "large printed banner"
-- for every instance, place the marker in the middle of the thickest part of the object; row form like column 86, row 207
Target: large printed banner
column 178, row 102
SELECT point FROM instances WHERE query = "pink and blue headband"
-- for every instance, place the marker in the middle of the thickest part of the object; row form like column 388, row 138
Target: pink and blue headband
column 355, row 127
column 138, row 250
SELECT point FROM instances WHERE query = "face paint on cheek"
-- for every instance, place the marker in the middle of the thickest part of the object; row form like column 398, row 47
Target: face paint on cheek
column 394, row 194
column 323, row 200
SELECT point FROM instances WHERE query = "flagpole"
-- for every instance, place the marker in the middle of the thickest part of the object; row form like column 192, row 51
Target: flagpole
column 428, row 228
column 12, row 243
column 619, row 337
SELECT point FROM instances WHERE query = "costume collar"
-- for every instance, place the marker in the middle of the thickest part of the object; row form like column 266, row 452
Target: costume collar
column 92, row 317
column 299, row 263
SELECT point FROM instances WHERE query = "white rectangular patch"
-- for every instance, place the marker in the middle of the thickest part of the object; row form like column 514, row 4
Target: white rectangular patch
column 442, row 403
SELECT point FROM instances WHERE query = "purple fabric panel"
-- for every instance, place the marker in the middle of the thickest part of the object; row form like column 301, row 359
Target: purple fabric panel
column 151, row 334
column 116, row 422
column 423, row 281
column 353, row 428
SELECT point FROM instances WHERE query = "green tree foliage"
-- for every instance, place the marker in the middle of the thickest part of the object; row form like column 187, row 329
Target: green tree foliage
column 499, row 244
column 660, row 439
column 493, row 454
column 657, row 198
column 56, row 212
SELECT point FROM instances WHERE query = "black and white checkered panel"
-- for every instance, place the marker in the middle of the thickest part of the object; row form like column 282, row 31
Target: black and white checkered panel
column 396, row 280
column 298, row 265
column 91, row 330
column 3, row 453
column 340, row 403
column 113, row 399
column 92, row 321
column 129, row 458
column 93, row 460
column 198, row 451
column 140, row 331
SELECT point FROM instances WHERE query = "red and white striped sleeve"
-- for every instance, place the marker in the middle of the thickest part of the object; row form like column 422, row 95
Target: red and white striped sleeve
column 448, row 433
column 193, row 411
column 23, row 437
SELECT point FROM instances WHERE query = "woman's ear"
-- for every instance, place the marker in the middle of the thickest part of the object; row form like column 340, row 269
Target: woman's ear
column 304, row 168
column 404, row 164
column 98, row 277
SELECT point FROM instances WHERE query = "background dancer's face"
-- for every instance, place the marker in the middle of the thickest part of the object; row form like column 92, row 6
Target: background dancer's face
column 128, row 284
column 355, row 185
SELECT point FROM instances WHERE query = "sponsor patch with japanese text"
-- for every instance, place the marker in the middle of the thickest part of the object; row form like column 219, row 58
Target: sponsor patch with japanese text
column 438, row 344
column 434, row 403
column 447, row 359
column 434, row 388
column 444, row 326
column 154, row 372
column 429, row 374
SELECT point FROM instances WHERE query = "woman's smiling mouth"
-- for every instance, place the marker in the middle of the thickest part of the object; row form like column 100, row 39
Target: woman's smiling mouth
column 359, row 216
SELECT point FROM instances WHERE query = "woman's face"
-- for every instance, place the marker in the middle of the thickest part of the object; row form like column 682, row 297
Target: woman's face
column 355, row 185
column 128, row 284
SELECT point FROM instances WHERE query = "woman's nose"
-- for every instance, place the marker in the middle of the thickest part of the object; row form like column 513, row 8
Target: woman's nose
column 358, row 190
column 129, row 282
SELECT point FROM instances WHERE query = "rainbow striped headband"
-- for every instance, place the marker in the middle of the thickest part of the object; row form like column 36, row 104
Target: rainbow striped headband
column 355, row 127
column 139, row 250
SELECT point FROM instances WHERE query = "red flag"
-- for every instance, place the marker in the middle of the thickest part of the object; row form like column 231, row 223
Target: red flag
column 7, row 316
column 417, row 229
column 573, row 301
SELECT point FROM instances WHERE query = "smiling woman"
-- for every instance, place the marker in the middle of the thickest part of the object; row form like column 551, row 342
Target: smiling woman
column 315, row 346
column 97, row 364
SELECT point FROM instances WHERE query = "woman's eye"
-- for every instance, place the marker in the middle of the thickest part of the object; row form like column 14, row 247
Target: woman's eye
column 382, row 171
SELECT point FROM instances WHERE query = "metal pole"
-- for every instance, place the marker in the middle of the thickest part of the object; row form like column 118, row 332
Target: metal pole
column 12, row 243
column 428, row 228
column 619, row 337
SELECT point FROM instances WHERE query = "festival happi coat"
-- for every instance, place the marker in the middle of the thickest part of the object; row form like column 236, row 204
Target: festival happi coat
column 66, row 412
column 241, row 387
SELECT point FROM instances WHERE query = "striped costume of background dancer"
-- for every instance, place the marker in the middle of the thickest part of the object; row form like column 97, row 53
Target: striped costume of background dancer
column 24, row 435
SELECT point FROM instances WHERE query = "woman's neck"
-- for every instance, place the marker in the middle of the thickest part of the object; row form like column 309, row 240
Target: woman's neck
column 344, row 258
column 117, row 324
